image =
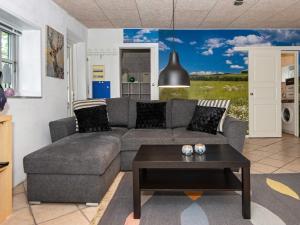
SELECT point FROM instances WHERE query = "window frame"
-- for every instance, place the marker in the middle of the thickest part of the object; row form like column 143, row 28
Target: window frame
column 13, row 57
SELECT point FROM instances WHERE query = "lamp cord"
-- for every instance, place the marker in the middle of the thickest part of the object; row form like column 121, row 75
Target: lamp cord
column 173, row 26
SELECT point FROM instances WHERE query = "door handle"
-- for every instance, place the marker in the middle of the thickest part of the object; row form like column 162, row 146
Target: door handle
column 251, row 94
column 3, row 164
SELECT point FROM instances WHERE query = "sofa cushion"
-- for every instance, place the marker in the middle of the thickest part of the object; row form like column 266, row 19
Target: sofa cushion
column 182, row 112
column 183, row 136
column 133, row 114
column 80, row 153
column 117, row 109
column 134, row 138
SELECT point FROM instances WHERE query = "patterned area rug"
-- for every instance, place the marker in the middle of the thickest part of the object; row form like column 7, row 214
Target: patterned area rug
column 275, row 201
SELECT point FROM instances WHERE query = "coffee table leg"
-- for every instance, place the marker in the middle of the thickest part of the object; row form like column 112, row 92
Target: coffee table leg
column 136, row 193
column 246, row 201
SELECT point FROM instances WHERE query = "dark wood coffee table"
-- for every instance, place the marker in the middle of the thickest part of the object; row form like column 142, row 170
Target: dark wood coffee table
column 164, row 168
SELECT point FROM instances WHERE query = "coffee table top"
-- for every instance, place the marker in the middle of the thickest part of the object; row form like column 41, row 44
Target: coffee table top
column 170, row 156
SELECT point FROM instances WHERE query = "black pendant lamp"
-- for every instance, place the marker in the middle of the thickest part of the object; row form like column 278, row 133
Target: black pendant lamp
column 174, row 75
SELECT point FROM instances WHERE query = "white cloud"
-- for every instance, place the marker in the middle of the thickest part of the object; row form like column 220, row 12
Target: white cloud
column 246, row 60
column 229, row 52
column 214, row 43
column 280, row 34
column 208, row 52
column 229, row 62
column 193, row 42
column 163, row 46
column 248, row 40
column 236, row 67
column 177, row 40
column 146, row 31
column 205, row 72
column 211, row 44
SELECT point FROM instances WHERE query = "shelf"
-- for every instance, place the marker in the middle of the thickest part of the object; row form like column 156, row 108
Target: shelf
column 189, row 180
column 135, row 83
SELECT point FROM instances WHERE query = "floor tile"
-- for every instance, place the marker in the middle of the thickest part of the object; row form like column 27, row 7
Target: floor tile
column 282, row 170
column 250, row 147
column 90, row 212
column 294, row 165
column 20, row 217
column 19, row 201
column 19, row 189
column 263, row 168
column 282, row 157
column 262, row 141
column 45, row 212
column 81, row 206
column 75, row 218
column 273, row 162
column 256, row 155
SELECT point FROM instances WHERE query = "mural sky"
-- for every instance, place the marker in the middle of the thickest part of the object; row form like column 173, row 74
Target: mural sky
column 211, row 51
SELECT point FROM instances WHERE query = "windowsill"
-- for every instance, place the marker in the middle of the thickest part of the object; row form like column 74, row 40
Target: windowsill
column 27, row 97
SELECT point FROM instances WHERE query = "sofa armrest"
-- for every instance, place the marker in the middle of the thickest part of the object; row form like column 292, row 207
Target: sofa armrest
column 62, row 128
column 235, row 130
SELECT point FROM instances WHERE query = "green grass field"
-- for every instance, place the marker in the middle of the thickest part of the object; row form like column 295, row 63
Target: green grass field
column 236, row 91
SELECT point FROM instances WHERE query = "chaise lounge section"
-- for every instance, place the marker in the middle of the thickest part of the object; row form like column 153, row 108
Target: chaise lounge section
column 80, row 167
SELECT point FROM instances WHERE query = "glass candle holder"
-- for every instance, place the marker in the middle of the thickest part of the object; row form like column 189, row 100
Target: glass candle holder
column 187, row 150
column 200, row 149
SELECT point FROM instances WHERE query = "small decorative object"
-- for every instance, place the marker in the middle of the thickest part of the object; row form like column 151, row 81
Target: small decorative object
column 146, row 78
column 9, row 92
column 124, row 77
column 131, row 79
column 2, row 95
column 187, row 150
column 200, row 149
column 55, row 53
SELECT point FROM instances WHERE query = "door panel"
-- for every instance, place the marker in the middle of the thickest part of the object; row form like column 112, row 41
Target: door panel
column 264, row 93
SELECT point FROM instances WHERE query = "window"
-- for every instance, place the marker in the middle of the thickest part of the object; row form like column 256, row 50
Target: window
column 8, row 59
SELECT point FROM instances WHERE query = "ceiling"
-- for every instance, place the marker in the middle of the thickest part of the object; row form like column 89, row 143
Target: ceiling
column 189, row 14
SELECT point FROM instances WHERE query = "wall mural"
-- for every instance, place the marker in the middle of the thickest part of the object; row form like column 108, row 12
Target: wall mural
column 216, row 70
column 55, row 53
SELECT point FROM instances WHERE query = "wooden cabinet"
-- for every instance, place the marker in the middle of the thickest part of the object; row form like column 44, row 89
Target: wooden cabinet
column 5, row 170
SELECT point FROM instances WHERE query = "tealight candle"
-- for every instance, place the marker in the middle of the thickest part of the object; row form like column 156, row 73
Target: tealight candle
column 200, row 149
column 187, row 150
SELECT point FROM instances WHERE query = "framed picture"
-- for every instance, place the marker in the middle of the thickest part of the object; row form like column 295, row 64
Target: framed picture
column 55, row 53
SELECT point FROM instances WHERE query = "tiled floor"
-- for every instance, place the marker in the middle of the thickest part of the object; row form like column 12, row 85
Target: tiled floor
column 267, row 155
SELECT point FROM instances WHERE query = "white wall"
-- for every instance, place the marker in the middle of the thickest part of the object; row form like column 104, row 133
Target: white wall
column 106, row 41
column 31, row 116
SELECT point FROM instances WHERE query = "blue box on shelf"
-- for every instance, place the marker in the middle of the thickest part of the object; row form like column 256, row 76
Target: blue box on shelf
column 101, row 89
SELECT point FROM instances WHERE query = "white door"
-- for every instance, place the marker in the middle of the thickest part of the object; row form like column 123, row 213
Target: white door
column 70, row 77
column 264, row 92
column 154, row 74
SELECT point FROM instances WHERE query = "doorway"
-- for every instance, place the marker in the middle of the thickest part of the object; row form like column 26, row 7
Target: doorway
column 266, row 81
column 70, row 77
column 135, row 73
column 138, row 71
column 289, row 92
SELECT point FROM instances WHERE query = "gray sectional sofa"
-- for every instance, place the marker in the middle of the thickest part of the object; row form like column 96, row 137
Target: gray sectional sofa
column 80, row 167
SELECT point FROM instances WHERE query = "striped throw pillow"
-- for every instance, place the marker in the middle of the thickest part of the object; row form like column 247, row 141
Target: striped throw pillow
column 80, row 104
column 219, row 104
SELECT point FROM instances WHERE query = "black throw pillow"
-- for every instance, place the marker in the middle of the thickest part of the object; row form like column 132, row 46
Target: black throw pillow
column 92, row 119
column 150, row 115
column 206, row 119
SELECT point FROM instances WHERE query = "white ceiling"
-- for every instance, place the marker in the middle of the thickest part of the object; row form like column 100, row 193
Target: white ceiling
column 189, row 14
